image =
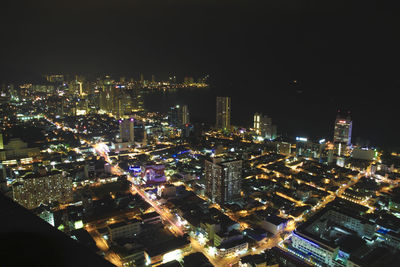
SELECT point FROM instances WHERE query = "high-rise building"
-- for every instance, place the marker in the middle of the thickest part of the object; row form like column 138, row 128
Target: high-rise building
column 179, row 115
column 223, row 179
column 1, row 141
column 55, row 78
column 42, row 187
column 126, row 130
column 185, row 115
column 342, row 133
column 223, row 120
column 137, row 100
column 141, row 78
column 263, row 126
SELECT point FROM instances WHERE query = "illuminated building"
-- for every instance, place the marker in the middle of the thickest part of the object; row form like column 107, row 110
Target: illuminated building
column 223, row 118
column 179, row 115
column 257, row 123
column 223, row 179
column 342, row 134
column 308, row 149
column 263, row 126
column 154, row 174
column 37, row 88
column 113, row 99
column 42, row 187
column 53, row 78
column 283, row 148
column 185, row 115
column 1, row 141
column 16, row 148
column 104, row 97
column 232, row 248
column 273, row 224
column 126, row 130
column 45, row 214
column 137, row 99
column 336, row 236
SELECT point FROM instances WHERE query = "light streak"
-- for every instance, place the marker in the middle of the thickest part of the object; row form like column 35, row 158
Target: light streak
column 103, row 150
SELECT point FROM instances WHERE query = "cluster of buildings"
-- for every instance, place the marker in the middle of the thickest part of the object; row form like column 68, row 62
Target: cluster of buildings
column 342, row 234
column 150, row 189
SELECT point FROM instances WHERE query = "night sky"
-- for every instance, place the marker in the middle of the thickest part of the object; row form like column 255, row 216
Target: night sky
column 345, row 54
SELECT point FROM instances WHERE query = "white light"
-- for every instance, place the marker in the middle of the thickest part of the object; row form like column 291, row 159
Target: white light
column 173, row 255
column 212, row 251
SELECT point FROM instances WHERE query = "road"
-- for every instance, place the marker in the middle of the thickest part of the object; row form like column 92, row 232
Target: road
column 102, row 150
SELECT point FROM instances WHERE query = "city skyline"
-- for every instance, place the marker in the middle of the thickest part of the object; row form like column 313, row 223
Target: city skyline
column 202, row 133
column 119, row 94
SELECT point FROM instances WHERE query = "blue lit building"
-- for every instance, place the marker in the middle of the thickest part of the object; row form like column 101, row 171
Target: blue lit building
column 343, row 235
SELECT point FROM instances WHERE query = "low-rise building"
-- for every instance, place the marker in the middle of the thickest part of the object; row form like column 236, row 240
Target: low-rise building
column 273, row 224
column 234, row 247
column 124, row 229
column 45, row 213
column 151, row 218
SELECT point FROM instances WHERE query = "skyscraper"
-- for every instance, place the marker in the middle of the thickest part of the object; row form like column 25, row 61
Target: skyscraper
column 263, row 126
column 1, row 141
column 126, row 130
column 223, row 179
column 342, row 133
column 185, row 115
column 223, row 120
column 141, row 79
column 179, row 115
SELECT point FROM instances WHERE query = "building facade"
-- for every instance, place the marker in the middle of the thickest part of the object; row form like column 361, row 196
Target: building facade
column 342, row 134
column 127, row 130
column 124, row 229
column 179, row 116
column 42, row 188
column 262, row 125
column 223, row 179
column 223, row 118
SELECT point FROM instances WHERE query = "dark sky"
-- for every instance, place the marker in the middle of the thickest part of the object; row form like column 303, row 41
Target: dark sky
column 342, row 52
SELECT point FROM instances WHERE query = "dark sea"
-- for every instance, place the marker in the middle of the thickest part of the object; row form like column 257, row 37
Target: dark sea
column 296, row 112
